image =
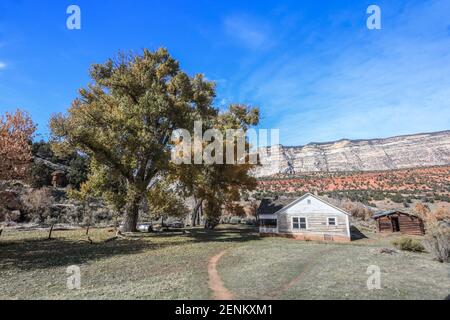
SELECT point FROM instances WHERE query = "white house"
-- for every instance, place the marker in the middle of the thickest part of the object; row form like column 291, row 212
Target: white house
column 307, row 218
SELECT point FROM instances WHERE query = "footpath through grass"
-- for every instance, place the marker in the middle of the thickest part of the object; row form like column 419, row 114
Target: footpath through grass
column 286, row 269
column 166, row 266
column 175, row 266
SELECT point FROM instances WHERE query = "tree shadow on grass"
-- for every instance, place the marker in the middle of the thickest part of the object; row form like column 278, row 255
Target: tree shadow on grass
column 200, row 235
column 225, row 235
column 41, row 254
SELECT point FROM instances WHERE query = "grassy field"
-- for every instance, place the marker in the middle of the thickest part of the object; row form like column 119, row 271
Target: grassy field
column 175, row 266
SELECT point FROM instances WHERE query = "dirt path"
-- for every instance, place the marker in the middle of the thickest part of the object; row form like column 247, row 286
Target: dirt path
column 215, row 282
column 276, row 294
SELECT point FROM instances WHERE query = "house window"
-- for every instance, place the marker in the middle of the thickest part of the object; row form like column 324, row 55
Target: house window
column 332, row 222
column 309, row 201
column 299, row 223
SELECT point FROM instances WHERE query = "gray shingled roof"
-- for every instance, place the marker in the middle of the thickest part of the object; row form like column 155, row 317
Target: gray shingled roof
column 270, row 206
column 388, row 213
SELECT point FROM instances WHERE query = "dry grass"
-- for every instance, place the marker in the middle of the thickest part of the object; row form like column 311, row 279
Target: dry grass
column 300, row 270
column 169, row 266
column 174, row 266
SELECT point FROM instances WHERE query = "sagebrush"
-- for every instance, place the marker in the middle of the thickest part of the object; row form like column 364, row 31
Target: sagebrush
column 408, row 244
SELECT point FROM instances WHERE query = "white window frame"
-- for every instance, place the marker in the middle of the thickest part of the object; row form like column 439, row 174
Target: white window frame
column 299, row 223
column 335, row 222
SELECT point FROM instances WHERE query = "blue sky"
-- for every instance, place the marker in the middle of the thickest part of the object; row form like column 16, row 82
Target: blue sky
column 315, row 70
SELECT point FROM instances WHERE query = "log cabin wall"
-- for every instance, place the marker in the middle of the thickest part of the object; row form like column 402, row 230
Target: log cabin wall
column 384, row 224
column 408, row 224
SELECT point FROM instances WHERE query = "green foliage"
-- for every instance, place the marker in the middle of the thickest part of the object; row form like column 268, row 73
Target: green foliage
column 408, row 244
column 163, row 202
column 124, row 121
column 76, row 163
column 397, row 198
column 44, row 151
column 78, row 170
column 40, row 175
column 220, row 184
column 102, row 183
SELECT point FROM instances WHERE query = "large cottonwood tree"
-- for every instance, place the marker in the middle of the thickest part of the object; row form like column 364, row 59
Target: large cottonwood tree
column 125, row 118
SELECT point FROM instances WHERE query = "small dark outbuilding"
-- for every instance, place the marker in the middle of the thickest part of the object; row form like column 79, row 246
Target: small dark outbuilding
column 397, row 221
column 59, row 179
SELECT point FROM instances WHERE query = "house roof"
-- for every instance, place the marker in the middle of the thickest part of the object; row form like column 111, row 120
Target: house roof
column 276, row 206
column 390, row 212
column 271, row 206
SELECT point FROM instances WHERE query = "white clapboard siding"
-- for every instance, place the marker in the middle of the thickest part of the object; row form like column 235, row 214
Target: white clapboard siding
column 316, row 213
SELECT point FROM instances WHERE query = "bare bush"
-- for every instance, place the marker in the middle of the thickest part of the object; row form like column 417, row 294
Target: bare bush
column 38, row 204
column 13, row 216
column 442, row 214
column 357, row 210
column 437, row 241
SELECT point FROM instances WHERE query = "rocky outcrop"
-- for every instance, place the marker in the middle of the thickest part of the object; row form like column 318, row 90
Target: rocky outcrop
column 51, row 165
column 428, row 149
column 13, row 207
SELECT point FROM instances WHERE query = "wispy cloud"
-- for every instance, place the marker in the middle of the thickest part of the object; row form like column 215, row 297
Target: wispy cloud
column 248, row 31
column 357, row 83
column 2, row 65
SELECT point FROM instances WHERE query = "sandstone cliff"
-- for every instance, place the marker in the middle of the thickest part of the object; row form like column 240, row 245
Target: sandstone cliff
column 418, row 150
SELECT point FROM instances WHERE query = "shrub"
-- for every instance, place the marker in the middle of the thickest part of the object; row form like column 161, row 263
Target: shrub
column 357, row 210
column 40, row 175
column 78, row 171
column 397, row 198
column 408, row 244
column 38, row 204
column 437, row 242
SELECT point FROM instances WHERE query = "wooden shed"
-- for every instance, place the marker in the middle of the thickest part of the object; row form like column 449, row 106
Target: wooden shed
column 397, row 221
column 59, row 179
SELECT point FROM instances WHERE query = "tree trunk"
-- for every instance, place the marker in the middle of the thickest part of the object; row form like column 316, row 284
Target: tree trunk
column 195, row 211
column 200, row 214
column 87, row 230
column 132, row 215
column 50, row 232
column 116, row 223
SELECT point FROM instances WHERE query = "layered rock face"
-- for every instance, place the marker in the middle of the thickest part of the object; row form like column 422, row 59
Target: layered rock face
column 429, row 149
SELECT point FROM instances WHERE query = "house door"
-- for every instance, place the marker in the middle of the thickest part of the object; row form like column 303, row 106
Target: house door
column 395, row 224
